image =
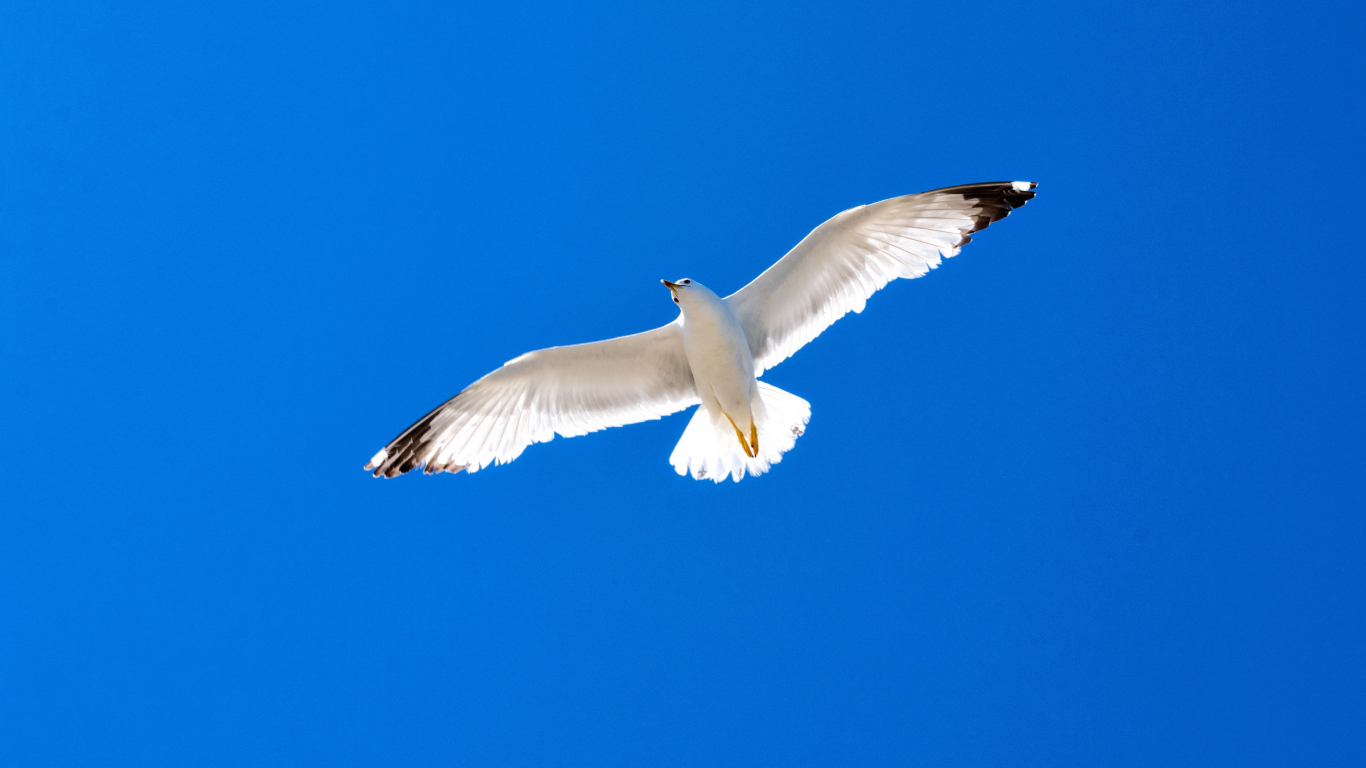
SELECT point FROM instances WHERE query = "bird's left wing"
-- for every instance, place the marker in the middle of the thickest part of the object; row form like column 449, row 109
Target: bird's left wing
column 570, row 390
column 834, row 270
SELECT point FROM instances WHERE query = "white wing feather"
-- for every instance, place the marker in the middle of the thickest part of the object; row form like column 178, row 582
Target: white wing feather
column 834, row 270
column 569, row 390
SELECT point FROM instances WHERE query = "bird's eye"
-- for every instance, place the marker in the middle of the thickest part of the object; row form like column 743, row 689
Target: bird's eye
column 686, row 282
column 675, row 299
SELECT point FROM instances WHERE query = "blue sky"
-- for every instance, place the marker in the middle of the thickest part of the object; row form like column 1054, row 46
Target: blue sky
column 1090, row 494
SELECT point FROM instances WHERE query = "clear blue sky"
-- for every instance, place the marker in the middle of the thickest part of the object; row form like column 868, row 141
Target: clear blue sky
column 1090, row 494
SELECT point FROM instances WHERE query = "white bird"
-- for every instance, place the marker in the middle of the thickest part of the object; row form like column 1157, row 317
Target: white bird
column 712, row 354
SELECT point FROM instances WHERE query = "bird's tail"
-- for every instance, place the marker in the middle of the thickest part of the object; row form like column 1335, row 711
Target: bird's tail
column 709, row 448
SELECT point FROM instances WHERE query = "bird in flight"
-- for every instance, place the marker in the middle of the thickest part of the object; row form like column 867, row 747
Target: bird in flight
column 713, row 354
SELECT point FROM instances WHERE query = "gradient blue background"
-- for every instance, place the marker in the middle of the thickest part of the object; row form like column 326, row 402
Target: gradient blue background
column 1090, row 494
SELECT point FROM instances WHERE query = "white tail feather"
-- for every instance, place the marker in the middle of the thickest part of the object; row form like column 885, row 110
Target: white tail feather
column 710, row 450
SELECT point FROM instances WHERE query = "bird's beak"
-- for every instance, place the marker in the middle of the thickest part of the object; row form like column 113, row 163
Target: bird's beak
column 673, row 287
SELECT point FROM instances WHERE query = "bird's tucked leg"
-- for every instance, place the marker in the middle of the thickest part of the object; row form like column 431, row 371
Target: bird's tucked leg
column 744, row 446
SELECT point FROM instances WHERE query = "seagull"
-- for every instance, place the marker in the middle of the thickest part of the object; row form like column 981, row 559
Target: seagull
column 712, row 355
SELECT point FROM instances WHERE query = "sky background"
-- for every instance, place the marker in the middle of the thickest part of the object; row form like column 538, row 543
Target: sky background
column 1090, row 494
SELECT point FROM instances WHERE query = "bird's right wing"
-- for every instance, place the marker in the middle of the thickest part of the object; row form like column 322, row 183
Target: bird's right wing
column 834, row 270
column 570, row 390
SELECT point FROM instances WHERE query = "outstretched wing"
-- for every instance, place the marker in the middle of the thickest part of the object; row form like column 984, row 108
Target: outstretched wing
column 834, row 270
column 570, row 390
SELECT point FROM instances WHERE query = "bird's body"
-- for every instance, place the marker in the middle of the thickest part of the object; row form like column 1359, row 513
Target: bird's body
column 712, row 355
column 718, row 354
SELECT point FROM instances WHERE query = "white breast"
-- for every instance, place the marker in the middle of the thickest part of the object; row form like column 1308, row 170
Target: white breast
column 718, row 352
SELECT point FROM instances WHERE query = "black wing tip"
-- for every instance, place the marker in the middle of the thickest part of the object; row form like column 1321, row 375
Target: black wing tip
column 1012, row 193
column 393, row 466
column 995, row 199
column 1018, row 193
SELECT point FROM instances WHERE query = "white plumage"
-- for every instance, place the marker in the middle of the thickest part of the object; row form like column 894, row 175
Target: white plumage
column 712, row 354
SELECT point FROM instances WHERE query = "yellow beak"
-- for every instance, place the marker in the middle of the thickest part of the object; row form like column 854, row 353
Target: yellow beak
column 673, row 287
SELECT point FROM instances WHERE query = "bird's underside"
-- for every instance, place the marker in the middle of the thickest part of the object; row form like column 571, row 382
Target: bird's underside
column 743, row 426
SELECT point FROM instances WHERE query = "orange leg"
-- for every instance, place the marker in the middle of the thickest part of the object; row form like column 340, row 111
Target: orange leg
column 744, row 446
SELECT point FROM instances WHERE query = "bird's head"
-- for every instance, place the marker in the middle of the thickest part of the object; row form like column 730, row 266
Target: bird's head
column 682, row 289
